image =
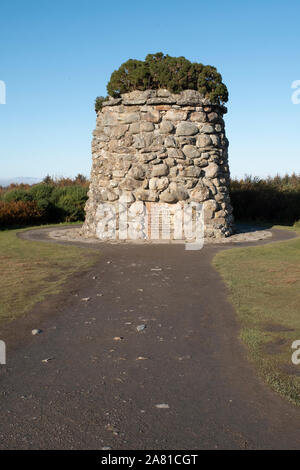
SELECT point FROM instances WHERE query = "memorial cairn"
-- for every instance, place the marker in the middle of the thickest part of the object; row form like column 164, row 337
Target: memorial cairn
column 160, row 154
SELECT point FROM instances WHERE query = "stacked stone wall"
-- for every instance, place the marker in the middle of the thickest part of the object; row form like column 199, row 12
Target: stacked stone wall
column 157, row 147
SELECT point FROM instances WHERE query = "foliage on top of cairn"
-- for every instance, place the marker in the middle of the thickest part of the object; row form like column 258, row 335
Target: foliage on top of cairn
column 175, row 74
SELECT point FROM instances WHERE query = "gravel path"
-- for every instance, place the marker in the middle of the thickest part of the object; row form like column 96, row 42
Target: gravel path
column 142, row 353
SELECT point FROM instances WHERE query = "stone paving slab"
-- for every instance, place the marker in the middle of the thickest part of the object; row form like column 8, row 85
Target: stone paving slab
column 74, row 235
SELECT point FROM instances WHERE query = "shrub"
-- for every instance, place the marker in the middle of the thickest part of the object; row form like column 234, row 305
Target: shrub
column 52, row 201
column 99, row 103
column 41, row 191
column 174, row 73
column 15, row 195
column 272, row 200
column 19, row 213
column 81, row 180
column 48, row 180
column 209, row 83
column 41, row 194
column 132, row 75
column 163, row 71
column 70, row 202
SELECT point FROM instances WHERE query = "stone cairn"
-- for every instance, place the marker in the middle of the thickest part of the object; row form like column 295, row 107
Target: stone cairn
column 158, row 147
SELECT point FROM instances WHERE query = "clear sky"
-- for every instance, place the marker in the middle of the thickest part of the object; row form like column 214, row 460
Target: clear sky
column 57, row 56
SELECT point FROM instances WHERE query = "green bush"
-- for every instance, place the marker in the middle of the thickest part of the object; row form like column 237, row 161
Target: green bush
column 99, row 103
column 174, row 73
column 70, row 202
column 58, row 192
column 16, row 195
column 163, row 71
column 209, row 83
column 41, row 191
column 273, row 200
column 52, row 201
column 41, row 194
column 132, row 75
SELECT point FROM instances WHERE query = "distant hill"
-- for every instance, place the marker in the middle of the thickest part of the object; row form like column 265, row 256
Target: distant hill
column 18, row 180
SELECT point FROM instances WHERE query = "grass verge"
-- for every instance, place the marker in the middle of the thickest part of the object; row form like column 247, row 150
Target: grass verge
column 30, row 271
column 264, row 284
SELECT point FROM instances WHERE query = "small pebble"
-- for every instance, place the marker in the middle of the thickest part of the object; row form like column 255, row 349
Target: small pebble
column 85, row 299
column 141, row 327
column 36, row 332
column 48, row 359
column 118, row 338
column 182, row 358
column 162, row 406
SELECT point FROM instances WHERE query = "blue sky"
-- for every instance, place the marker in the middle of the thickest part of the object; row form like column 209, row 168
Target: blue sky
column 57, row 56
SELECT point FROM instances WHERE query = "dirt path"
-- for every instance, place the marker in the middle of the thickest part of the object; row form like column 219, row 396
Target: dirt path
column 100, row 392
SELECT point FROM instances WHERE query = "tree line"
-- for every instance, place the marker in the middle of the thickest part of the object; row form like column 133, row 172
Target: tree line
column 274, row 200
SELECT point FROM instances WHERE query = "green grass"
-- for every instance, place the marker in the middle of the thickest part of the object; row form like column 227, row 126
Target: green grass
column 30, row 271
column 264, row 284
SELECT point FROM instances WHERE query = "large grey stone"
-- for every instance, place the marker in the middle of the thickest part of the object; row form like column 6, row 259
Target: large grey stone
column 166, row 127
column 159, row 184
column 152, row 115
column 169, row 141
column 192, row 172
column 190, row 151
column 146, row 126
column 190, row 98
column 112, row 102
column 179, row 191
column 168, row 197
column 186, row 128
column 200, row 193
column 198, row 116
column 108, row 118
column 160, row 170
column 213, row 117
column 138, row 172
column 175, row 153
column 175, row 115
column 204, row 140
column 147, row 195
column 212, row 170
column 207, row 128
column 128, row 118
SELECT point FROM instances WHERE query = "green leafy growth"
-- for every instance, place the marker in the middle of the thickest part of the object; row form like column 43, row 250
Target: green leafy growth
column 163, row 71
column 99, row 103
column 174, row 73
column 132, row 75
column 16, row 195
column 210, row 84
